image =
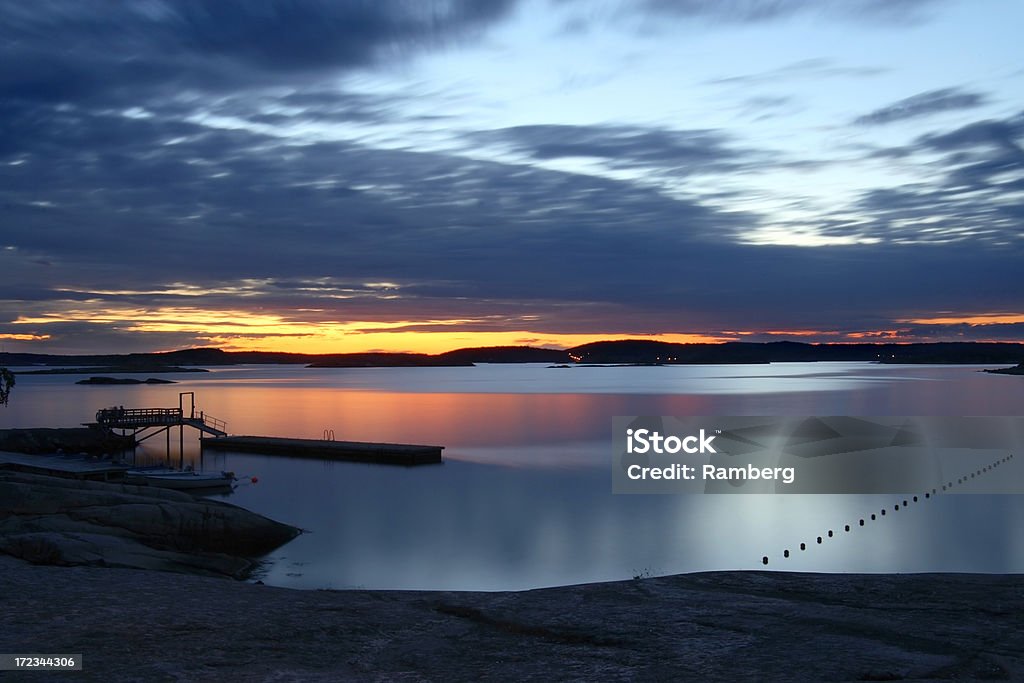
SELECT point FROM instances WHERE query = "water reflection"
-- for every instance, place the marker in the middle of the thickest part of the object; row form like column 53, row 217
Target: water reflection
column 483, row 527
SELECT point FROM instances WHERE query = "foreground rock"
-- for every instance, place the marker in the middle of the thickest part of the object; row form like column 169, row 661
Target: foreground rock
column 736, row 626
column 38, row 440
column 49, row 520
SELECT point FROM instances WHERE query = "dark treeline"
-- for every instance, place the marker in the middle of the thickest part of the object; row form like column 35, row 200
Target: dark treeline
column 624, row 351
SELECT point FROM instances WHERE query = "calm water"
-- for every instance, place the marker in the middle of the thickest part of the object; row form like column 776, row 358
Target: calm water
column 524, row 497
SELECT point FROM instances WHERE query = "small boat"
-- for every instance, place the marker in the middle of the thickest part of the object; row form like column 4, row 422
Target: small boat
column 168, row 478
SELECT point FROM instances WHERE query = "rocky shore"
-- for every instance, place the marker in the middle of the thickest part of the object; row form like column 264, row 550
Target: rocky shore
column 55, row 521
column 133, row 625
column 76, row 576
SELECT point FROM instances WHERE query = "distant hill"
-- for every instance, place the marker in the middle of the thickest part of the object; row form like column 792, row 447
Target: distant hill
column 645, row 351
column 624, row 351
column 378, row 360
column 507, row 354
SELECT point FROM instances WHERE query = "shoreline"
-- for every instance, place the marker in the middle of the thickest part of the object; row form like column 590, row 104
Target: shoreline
column 751, row 625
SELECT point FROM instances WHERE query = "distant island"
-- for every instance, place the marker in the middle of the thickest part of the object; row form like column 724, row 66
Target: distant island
column 1018, row 370
column 124, row 380
column 622, row 352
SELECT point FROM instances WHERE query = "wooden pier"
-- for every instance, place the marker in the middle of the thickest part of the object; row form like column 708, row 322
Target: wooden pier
column 144, row 423
column 357, row 451
column 138, row 420
column 68, row 466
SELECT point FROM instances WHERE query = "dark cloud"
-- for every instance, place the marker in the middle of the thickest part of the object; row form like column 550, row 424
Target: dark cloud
column 1002, row 136
column 924, row 104
column 966, row 332
column 976, row 176
column 128, row 51
column 450, row 230
column 126, row 207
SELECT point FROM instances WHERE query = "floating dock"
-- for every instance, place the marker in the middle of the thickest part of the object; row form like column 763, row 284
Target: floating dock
column 357, row 451
column 68, row 466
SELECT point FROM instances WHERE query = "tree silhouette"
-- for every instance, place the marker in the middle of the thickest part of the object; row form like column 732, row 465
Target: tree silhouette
column 6, row 384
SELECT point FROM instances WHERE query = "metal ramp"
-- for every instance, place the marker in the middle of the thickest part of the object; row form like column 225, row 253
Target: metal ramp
column 207, row 425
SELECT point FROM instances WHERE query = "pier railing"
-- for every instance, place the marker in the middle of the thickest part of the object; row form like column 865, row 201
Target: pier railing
column 138, row 417
column 211, row 421
column 141, row 418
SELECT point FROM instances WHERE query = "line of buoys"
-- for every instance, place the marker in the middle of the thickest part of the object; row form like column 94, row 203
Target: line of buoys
column 896, row 506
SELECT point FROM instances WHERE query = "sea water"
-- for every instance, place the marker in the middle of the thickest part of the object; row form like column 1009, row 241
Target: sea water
column 524, row 499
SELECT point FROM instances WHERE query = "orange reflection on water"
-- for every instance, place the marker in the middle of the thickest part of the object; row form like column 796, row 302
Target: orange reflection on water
column 448, row 419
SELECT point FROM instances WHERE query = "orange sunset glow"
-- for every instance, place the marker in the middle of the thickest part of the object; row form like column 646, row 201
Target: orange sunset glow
column 969, row 319
column 317, row 331
column 241, row 330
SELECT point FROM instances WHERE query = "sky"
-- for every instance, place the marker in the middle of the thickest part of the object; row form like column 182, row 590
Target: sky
column 424, row 175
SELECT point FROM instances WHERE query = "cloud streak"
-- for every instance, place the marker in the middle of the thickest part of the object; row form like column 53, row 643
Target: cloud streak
column 924, row 104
